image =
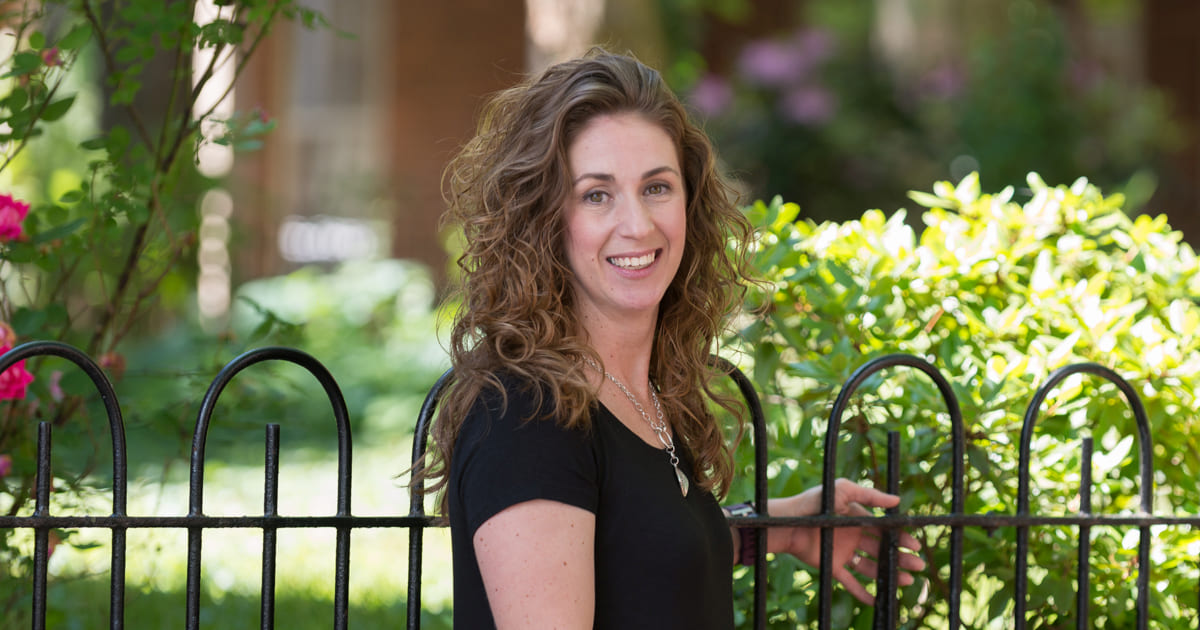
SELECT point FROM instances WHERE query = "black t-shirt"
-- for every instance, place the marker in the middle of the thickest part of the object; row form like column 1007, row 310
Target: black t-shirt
column 663, row 560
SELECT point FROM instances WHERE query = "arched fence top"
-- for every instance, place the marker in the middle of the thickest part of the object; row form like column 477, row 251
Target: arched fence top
column 1135, row 404
column 416, row 496
column 868, row 369
column 271, row 353
column 108, row 396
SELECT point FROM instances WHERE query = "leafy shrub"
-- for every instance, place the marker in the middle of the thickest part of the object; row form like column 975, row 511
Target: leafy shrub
column 996, row 292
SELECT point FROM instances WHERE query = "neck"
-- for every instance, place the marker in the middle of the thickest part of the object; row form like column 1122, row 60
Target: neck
column 624, row 347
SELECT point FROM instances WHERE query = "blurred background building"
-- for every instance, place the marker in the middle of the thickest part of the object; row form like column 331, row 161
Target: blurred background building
column 839, row 105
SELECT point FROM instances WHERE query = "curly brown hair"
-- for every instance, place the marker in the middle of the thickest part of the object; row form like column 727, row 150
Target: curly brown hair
column 506, row 190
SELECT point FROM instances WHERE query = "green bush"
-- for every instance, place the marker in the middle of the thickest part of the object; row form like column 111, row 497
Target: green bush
column 996, row 292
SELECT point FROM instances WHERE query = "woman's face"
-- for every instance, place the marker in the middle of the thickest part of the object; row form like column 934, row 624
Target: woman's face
column 625, row 217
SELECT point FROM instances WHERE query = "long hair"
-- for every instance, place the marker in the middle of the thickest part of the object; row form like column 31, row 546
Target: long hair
column 506, row 191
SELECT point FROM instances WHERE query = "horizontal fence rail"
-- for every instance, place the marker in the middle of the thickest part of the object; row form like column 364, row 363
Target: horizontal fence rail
column 41, row 522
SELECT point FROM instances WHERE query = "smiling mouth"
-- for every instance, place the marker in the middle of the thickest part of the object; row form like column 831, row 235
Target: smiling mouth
column 633, row 262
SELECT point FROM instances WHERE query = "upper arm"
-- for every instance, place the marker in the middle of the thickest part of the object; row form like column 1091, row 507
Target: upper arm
column 537, row 561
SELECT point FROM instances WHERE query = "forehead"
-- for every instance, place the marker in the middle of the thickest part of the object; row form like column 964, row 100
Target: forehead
column 620, row 143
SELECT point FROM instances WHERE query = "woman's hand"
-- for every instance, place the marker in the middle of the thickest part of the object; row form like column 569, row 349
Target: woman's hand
column 855, row 549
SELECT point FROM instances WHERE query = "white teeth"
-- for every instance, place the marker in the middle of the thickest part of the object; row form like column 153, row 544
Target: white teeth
column 633, row 263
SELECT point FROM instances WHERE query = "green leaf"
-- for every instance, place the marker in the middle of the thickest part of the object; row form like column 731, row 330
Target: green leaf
column 71, row 197
column 16, row 100
column 930, row 201
column 28, row 322
column 59, row 231
column 57, row 109
column 18, row 253
column 37, row 40
column 127, row 54
column 56, row 315
column 125, row 92
column 117, row 142
column 26, row 62
column 76, row 37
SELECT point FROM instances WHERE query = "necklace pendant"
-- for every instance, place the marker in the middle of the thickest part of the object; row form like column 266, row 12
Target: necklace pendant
column 683, row 481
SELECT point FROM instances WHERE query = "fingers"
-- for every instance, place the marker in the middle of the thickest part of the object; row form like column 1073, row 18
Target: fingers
column 911, row 562
column 871, row 548
column 868, row 568
column 864, row 495
column 853, row 586
column 908, row 542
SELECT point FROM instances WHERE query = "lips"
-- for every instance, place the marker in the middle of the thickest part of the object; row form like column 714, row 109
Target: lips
column 633, row 262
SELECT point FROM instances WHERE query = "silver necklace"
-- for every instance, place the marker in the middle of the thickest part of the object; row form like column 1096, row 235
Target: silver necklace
column 660, row 427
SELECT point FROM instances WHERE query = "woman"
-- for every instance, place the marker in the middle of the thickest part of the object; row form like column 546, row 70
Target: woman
column 578, row 457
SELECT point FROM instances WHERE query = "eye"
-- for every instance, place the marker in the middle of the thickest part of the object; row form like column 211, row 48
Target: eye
column 656, row 189
column 595, row 196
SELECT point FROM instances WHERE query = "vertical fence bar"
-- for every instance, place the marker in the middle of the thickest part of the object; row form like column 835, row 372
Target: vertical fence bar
column 888, row 577
column 416, row 497
column 341, row 589
column 1143, row 581
column 41, row 535
column 270, row 509
column 758, row 426
column 1083, row 600
column 195, row 542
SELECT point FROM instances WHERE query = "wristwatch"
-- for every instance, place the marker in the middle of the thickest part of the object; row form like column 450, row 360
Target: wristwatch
column 748, row 549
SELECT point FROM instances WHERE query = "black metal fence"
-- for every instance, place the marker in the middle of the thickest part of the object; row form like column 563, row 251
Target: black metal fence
column 343, row 522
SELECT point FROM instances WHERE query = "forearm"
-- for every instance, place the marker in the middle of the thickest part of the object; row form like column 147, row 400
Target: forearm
column 777, row 540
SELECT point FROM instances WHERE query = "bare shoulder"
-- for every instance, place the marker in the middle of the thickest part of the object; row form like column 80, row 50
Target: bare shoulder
column 537, row 563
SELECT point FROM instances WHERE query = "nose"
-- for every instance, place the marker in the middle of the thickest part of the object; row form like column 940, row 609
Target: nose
column 636, row 220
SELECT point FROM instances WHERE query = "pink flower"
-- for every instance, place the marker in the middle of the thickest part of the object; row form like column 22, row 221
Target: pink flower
column 944, row 82
column 50, row 57
column 56, row 391
column 15, row 379
column 5, row 465
column 779, row 64
column 12, row 213
column 711, row 95
column 114, row 363
column 808, row 105
column 772, row 63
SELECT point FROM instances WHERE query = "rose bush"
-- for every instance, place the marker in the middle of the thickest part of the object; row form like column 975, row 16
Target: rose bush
column 98, row 222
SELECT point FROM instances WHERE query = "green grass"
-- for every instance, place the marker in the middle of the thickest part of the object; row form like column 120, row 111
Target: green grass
column 82, row 604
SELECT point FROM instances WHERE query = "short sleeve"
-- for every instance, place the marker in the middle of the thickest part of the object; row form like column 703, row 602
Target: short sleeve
column 507, row 454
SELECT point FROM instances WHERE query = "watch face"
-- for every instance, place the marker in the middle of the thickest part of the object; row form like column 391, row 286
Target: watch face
column 743, row 509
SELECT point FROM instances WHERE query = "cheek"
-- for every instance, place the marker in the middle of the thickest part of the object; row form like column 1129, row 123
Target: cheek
column 575, row 246
column 679, row 226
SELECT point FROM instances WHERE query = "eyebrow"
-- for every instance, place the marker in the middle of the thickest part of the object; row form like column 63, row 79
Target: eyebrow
column 606, row 177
